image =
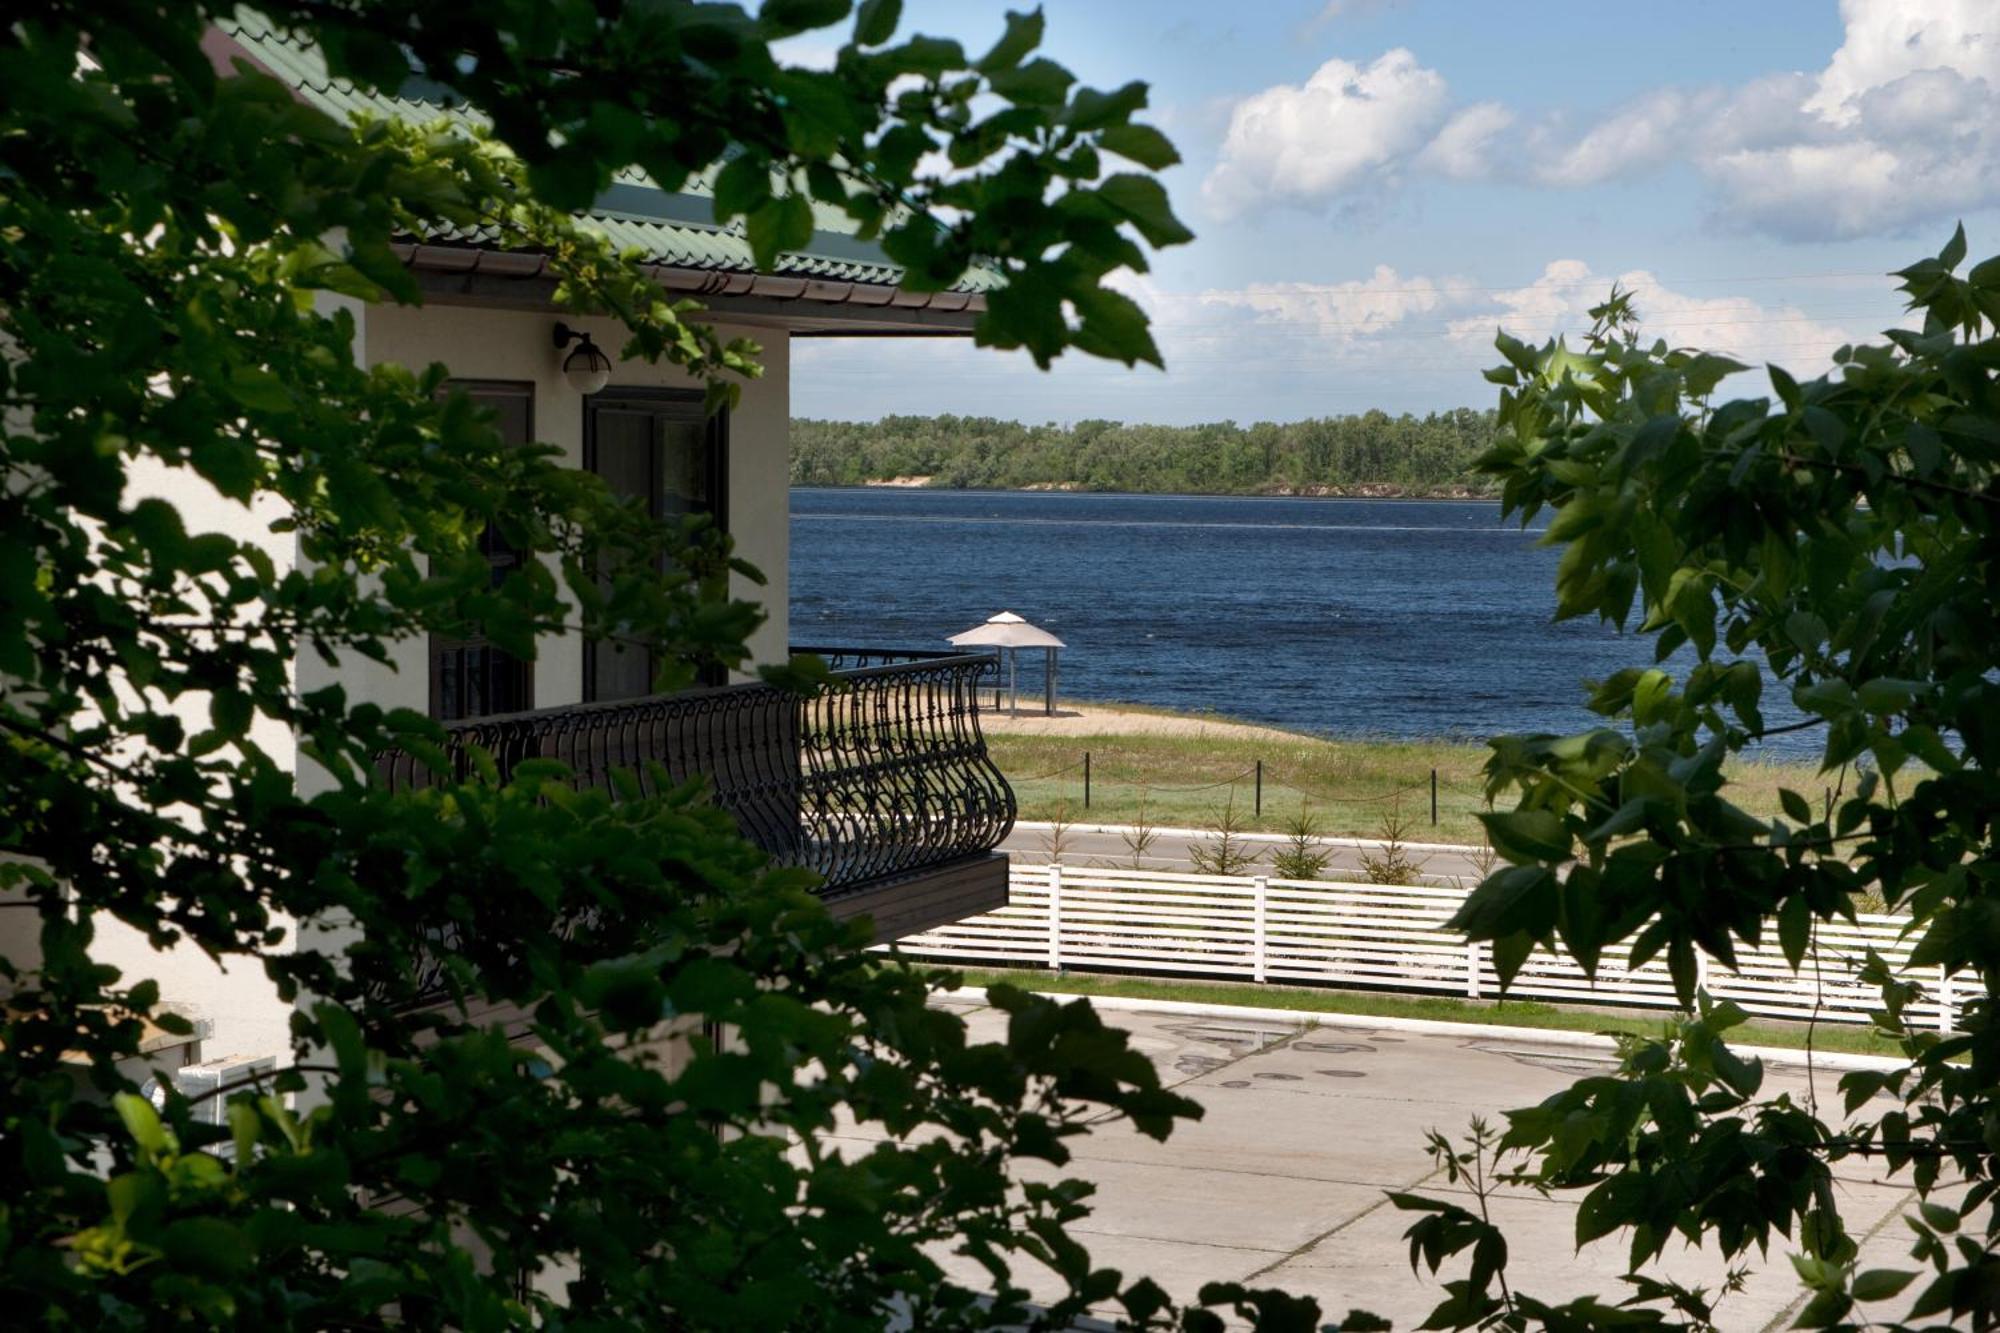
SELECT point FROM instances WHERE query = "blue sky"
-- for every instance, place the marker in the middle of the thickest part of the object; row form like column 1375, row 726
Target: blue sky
column 1377, row 184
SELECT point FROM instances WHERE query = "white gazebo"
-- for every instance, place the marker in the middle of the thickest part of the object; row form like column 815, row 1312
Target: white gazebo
column 1012, row 633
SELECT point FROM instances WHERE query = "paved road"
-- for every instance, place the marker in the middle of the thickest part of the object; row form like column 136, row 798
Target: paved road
column 1281, row 1183
column 1084, row 846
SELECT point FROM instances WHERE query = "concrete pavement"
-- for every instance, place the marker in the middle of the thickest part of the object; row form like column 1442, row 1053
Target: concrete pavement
column 1282, row 1183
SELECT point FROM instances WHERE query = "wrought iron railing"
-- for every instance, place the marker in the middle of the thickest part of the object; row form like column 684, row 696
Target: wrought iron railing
column 882, row 772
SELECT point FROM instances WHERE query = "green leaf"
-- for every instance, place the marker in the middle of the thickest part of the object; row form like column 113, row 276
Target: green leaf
column 230, row 713
column 343, row 1035
column 1953, row 253
column 1510, row 952
column 1787, row 387
column 1140, row 143
column 1023, row 34
column 742, row 186
column 1806, row 631
column 785, row 18
column 1143, row 202
column 366, row 55
column 1092, row 110
column 875, row 22
column 1517, row 898
column 780, row 225
column 142, row 1122
column 244, row 1128
column 1938, row 1217
column 260, row 390
column 1528, row 837
column 1115, row 327
column 1037, row 83
column 1795, row 929
column 1887, row 695
column 208, row 1246
column 1879, row 1284
column 1744, row 1077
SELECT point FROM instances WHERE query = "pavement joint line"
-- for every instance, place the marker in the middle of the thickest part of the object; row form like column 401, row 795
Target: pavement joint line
column 1082, row 1162
column 1438, row 1027
column 1783, row 1319
column 1340, row 1226
column 1173, row 1240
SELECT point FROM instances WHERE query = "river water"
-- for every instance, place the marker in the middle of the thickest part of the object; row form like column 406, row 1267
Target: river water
column 1396, row 618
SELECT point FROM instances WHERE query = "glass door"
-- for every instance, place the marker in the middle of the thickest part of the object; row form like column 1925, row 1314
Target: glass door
column 659, row 447
column 469, row 676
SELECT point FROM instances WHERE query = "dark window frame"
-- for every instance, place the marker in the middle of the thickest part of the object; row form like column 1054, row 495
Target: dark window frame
column 689, row 405
column 525, row 390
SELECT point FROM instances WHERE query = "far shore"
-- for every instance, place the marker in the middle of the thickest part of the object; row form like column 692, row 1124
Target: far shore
column 1354, row 491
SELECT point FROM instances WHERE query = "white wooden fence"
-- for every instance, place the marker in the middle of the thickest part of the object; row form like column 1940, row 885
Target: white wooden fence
column 1348, row 933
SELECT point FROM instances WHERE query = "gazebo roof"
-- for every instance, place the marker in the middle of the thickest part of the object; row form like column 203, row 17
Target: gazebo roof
column 1006, row 630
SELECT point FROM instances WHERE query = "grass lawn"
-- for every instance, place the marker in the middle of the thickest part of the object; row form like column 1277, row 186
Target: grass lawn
column 1849, row 1037
column 1353, row 787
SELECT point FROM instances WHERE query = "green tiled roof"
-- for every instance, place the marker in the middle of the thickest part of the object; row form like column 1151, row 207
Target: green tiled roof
column 677, row 229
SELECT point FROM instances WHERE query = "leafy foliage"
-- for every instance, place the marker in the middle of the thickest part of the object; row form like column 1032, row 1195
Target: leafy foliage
column 178, row 246
column 1845, row 533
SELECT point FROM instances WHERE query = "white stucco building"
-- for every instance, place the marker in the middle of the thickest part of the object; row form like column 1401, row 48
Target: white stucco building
column 488, row 315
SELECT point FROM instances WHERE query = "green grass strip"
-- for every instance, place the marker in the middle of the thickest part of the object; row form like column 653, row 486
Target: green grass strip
column 1851, row 1038
column 1350, row 788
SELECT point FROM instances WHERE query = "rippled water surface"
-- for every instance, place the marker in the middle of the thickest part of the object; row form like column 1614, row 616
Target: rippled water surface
column 1343, row 617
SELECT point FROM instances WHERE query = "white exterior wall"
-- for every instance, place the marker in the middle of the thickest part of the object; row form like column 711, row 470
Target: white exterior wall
column 236, row 999
column 484, row 344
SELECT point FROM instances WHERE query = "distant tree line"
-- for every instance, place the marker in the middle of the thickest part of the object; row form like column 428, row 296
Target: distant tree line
column 1370, row 453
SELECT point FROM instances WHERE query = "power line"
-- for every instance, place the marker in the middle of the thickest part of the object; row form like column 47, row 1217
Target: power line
column 1596, row 280
column 1499, row 318
column 1098, row 374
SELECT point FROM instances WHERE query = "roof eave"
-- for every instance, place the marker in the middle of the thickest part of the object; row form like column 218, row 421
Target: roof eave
column 475, row 275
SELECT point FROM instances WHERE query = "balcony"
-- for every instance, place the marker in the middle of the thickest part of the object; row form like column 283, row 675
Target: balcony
column 879, row 782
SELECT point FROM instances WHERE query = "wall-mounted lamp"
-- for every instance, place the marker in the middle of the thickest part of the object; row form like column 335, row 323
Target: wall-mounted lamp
column 587, row 369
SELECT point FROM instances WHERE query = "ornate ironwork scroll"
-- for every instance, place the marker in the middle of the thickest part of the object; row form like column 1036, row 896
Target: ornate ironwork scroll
column 880, row 774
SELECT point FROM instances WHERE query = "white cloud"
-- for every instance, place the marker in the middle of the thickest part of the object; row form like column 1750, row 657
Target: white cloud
column 1560, row 299
column 1389, row 339
column 1811, row 189
column 1391, row 317
column 1900, row 129
column 1346, row 125
column 1341, row 312
column 1633, row 139
column 1887, row 40
column 1465, row 148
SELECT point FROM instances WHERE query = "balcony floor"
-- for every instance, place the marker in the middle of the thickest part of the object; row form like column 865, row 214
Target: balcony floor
column 930, row 897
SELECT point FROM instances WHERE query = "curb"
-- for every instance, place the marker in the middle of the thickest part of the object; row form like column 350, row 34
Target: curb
column 1437, row 1027
column 1041, row 826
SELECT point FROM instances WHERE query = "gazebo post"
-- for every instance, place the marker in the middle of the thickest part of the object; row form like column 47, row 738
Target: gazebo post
column 1049, row 684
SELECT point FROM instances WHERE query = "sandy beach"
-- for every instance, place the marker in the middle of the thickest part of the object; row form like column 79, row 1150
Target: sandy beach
column 1081, row 719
